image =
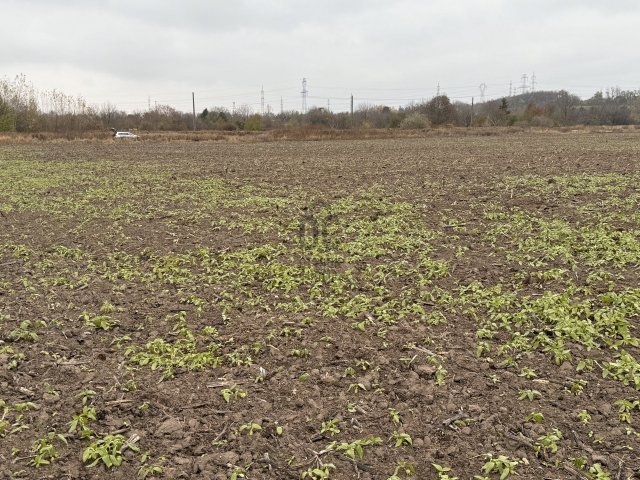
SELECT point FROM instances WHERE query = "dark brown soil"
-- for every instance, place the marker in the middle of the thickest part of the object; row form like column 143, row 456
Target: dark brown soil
column 153, row 204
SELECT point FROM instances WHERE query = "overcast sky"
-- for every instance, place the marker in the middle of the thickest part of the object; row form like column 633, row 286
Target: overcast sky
column 138, row 52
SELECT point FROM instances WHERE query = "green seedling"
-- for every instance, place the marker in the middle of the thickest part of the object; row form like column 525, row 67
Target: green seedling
column 26, row 406
column 535, row 417
column 363, row 365
column 233, row 393
column 107, row 308
column 299, row 352
column 330, row 427
column 585, row 365
column 130, row 386
column 44, row 449
column 401, row 439
column 107, row 450
column 395, row 417
column 26, row 331
column 356, row 387
column 86, row 395
column 99, row 322
column 354, row 450
column 404, row 468
column 501, row 464
column 625, row 408
column 119, row 341
column 149, row 470
column 482, row 349
column 577, row 387
column 4, row 424
column 584, row 417
column 559, row 352
column 250, row 428
column 349, row 372
column 598, row 472
column 238, row 472
column 527, row 373
column 529, row 394
column 625, row 369
column 548, row 443
column 14, row 357
column 81, row 422
column 580, row 462
column 443, row 472
column 322, row 472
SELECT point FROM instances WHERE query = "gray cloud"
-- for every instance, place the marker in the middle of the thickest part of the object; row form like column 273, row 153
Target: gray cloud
column 125, row 51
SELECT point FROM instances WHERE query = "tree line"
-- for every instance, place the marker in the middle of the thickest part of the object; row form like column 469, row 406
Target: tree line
column 24, row 109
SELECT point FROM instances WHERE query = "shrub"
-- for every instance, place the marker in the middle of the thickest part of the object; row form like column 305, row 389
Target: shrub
column 253, row 123
column 415, row 121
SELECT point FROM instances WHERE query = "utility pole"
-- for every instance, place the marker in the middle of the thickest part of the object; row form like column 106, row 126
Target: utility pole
column 471, row 123
column 524, row 83
column 438, row 90
column 233, row 108
column 281, row 106
column 352, row 109
column 328, row 104
column 193, row 99
column 149, row 102
column 533, row 82
column 304, row 95
column 483, row 88
column 262, row 100
column 511, row 88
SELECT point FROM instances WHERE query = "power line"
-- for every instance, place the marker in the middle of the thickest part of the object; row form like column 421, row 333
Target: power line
column 338, row 98
column 404, row 89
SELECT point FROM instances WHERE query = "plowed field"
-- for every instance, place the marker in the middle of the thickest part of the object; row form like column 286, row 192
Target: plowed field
column 428, row 308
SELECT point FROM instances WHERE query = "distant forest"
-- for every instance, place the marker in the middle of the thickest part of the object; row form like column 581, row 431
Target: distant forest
column 24, row 109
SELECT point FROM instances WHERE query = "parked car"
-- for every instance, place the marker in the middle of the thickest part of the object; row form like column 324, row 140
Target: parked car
column 130, row 135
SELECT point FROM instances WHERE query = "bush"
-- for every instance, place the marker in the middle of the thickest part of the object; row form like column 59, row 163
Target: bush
column 7, row 122
column 415, row 121
column 7, row 117
column 253, row 123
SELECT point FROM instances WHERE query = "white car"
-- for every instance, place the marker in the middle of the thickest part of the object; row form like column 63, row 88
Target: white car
column 125, row 135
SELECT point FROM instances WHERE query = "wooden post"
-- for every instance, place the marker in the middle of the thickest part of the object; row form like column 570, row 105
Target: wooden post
column 193, row 99
column 471, row 123
column 352, row 124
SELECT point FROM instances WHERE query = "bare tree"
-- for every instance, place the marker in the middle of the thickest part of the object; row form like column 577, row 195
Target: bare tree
column 565, row 103
column 440, row 110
